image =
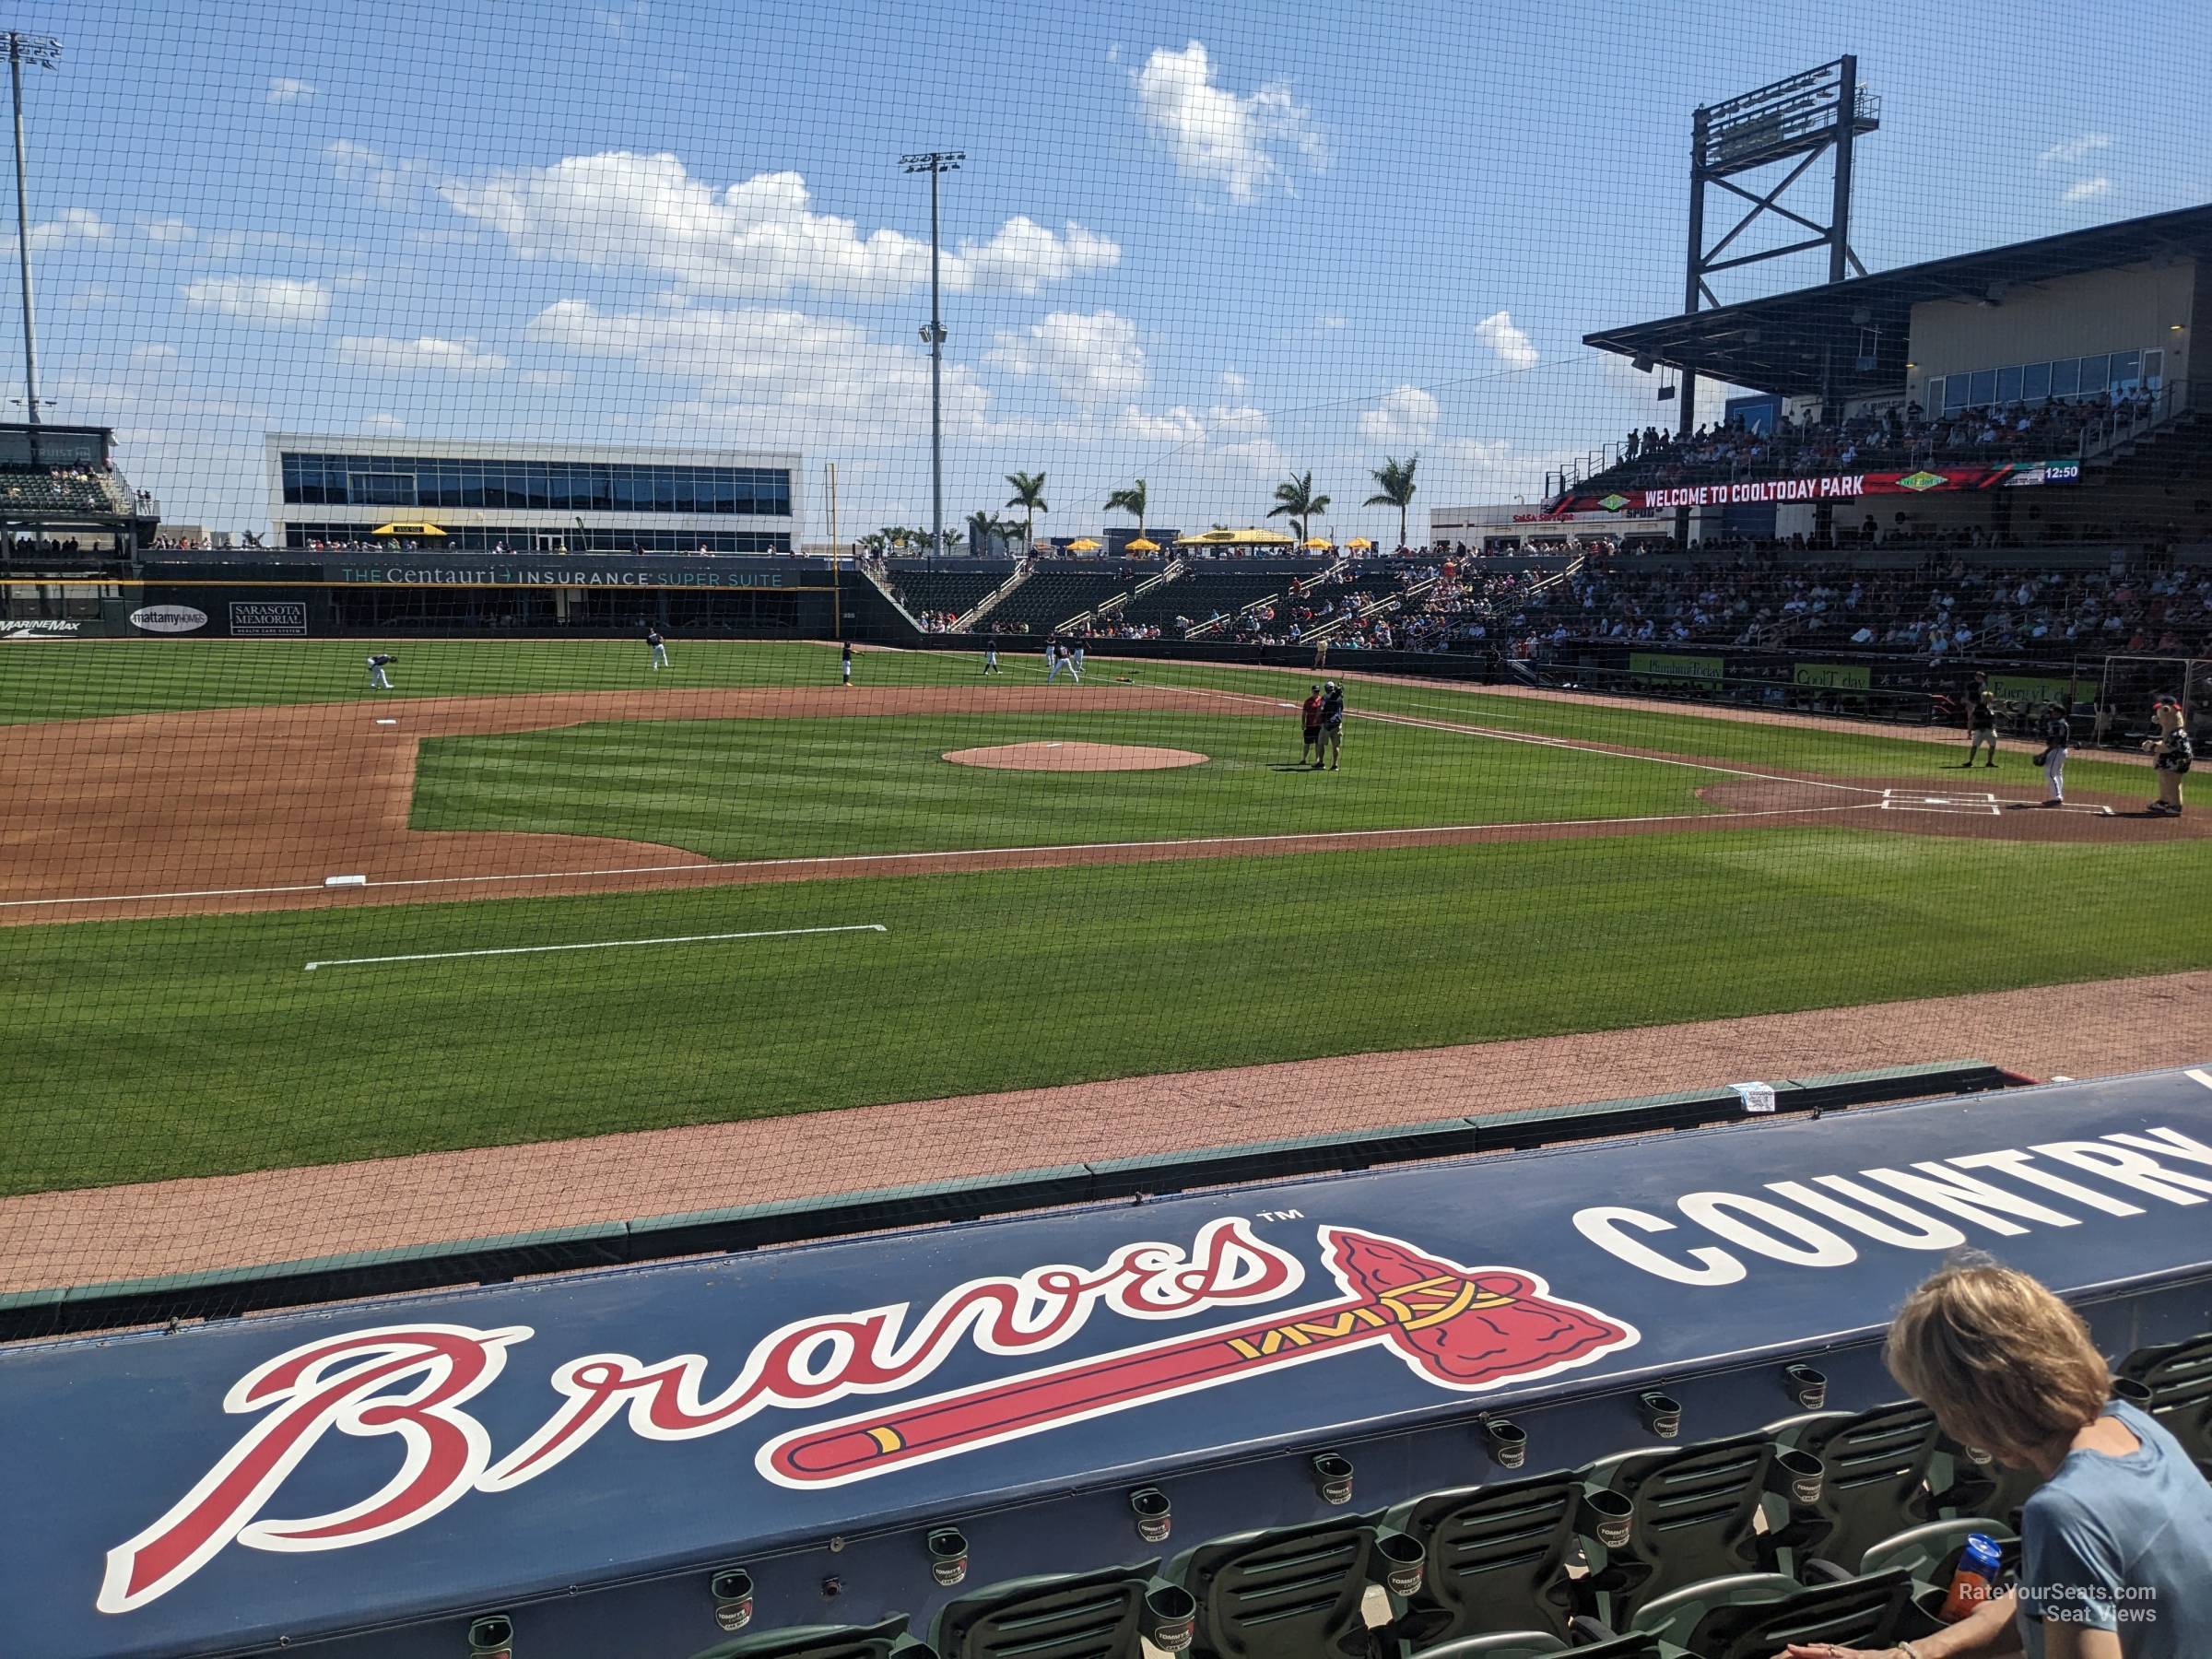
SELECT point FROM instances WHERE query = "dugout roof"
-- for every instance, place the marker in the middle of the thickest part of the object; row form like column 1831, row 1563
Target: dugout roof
column 1784, row 343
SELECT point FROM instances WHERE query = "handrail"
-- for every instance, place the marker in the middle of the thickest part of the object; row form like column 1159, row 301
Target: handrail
column 989, row 601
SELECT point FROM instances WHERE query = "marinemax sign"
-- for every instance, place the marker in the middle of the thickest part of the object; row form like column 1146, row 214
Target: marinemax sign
column 571, row 574
column 1836, row 487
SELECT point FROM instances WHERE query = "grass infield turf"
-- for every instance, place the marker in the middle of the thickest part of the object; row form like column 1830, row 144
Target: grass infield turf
column 187, row 1046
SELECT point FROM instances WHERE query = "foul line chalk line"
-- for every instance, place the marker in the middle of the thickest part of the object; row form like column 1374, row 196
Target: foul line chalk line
column 833, row 860
column 448, row 956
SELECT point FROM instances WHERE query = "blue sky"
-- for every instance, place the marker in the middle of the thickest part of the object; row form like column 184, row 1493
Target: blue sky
column 1204, row 244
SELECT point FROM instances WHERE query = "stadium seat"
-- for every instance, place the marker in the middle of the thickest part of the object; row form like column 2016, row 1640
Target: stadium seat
column 1497, row 1558
column 1100, row 1615
column 1755, row 1615
column 2179, row 1376
column 1981, row 1486
column 1884, row 1467
column 1531, row 1646
column 887, row 1640
column 1931, row 1553
column 1294, row 1592
column 1702, row 1511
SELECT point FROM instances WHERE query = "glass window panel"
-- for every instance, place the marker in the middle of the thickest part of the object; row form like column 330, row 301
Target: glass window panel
column 725, row 489
column 625, row 490
column 2009, row 385
column 2092, row 375
column 2127, row 371
column 1984, row 382
column 2154, row 369
column 472, row 485
column 2065, row 377
column 663, row 489
column 685, row 484
column 2035, row 382
column 538, row 485
column 1954, row 392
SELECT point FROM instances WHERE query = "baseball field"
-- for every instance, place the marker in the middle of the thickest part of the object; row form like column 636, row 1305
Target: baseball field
column 255, row 917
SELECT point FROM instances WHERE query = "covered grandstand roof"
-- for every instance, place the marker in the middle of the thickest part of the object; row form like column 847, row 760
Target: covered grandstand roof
column 1790, row 343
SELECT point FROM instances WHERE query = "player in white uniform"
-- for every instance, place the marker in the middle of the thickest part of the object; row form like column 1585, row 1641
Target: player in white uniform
column 660, row 649
column 378, row 679
column 1075, row 662
column 1055, row 657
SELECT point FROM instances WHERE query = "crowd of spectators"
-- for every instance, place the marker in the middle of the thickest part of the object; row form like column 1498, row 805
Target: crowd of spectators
column 1900, row 436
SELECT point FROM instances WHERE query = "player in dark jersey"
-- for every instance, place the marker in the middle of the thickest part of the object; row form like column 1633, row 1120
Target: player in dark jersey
column 844, row 663
column 378, row 679
column 2057, row 733
column 660, row 649
column 1332, row 721
column 2170, row 756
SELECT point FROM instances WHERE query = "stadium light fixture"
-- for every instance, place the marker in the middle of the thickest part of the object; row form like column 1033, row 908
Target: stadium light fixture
column 45, row 51
column 935, row 163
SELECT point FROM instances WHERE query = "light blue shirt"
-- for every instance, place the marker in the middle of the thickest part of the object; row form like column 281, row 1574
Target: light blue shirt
column 2121, row 1544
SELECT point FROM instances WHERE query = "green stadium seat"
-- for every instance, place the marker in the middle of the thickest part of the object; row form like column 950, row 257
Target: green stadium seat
column 2179, row 1376
column 1533, row 1646
column 1294, row 1592
column 1756, row 1615
column 1101, row 1614
column 1979, row 1484
column 1705, row 1510
column 1931, row 1553
column 887, row 1640
column 1497, row 1558
column 1883, row 1469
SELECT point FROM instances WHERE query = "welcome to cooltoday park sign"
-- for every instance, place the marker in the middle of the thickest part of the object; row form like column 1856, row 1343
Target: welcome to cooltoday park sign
column 1835, row 486
column 278, row 1477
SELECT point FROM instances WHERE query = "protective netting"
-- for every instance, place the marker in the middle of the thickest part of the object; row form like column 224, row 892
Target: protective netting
column 496, row 744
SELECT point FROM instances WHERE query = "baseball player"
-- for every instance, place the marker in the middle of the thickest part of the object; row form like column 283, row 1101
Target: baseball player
column 844, row 661
column 1055, row 657
column 1332, row 723
column 1075, row 662
column 2057, row 733
column 991, row 656
column 2171, row 755
column 660, row 649
column 378, row 679
column 1982, row 727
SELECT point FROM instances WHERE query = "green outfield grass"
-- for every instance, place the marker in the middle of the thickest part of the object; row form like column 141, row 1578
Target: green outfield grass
column 195, row 1047
column 797, row 788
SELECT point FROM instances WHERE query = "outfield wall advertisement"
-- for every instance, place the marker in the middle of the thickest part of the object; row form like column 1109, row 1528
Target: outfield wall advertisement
column 1837, row 487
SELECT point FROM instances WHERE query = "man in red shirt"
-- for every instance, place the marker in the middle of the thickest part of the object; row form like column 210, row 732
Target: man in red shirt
column 1309, row 714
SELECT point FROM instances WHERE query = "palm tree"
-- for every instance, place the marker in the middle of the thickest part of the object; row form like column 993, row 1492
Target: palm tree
column 1029, row 495
column 982, row 525
column 1295, row 499
column 1131, row 500
column 1396, row 479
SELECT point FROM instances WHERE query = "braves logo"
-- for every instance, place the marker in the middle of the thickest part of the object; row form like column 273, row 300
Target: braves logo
column 1460, row 1328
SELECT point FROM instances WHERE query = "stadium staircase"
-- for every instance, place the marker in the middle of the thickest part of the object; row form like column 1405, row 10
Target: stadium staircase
column 1112, row 607
column 1383, row 607
column 1296, row 586
column 1828, row 1526
column 882, row 584
column 966, row 621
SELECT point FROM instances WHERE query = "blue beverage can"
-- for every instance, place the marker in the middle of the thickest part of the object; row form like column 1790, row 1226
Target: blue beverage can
column 1983, row 1556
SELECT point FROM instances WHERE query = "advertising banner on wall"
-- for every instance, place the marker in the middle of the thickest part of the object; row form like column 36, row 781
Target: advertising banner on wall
column 1838, row 486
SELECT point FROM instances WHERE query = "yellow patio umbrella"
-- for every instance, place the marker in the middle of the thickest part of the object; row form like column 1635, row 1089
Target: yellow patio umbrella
column 1083, row 545
column 1143, row 544
column 406, row 530
column 1314, row 542
column 1360, row 544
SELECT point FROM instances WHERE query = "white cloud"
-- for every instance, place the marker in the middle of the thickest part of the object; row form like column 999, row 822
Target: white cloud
column 1089, row 359
column 285, row 301
column 384, row 422
column 167, row 230
column 1233, row 384
column 1329, row 320
column 94, row 296
column 1177, row 425
column 284, row 89
column 1406, row 415
column 153, row 352
column 758, row 239
column 547, row 377
column 762, row 373
column 385, row 179
column 1237, row 144
column 2074, row 149
column 622, row 22
column 2084, row 190
column 380, row 354
column 1236, row 419
column 74, row 225
column 1514, row 347
column 1480, row 454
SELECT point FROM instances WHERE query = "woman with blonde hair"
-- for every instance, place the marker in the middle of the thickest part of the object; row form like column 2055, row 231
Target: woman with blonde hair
column 2116, row 1544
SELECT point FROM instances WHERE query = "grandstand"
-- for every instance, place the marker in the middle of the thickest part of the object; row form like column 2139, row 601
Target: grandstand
column 63, row 503
column 937, row 595
column 1206, row 588
column 1057, row 591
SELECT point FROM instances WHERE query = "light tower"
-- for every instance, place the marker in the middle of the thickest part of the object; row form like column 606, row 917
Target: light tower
column 935, row 163
column 46, row 53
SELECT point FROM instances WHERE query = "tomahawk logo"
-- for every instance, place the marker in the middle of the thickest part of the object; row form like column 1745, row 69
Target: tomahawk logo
column 1456, row 1327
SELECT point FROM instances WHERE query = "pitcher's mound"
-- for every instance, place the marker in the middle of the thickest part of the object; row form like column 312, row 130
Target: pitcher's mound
column 1075, row 756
